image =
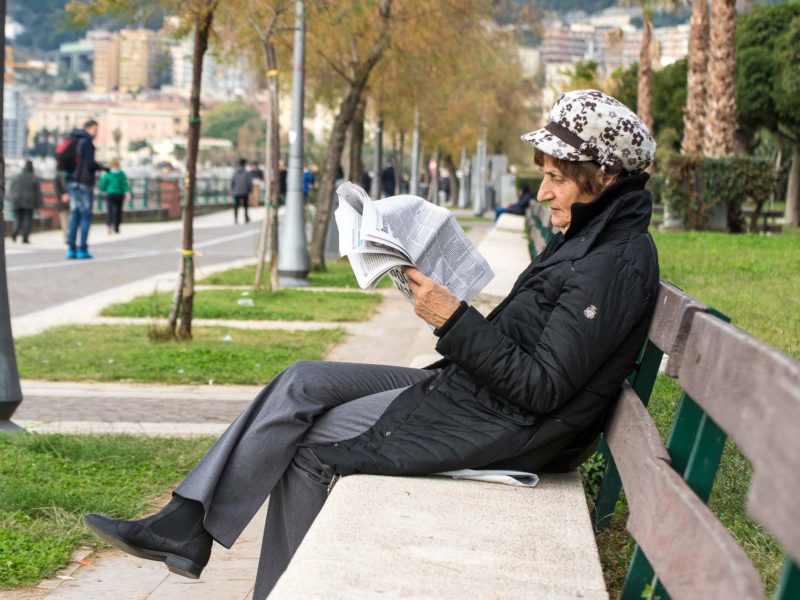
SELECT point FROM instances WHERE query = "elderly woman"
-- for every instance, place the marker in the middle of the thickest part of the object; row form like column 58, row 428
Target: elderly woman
column 526, row 387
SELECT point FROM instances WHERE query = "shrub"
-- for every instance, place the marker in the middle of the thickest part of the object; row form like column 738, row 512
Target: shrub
column 694, row 185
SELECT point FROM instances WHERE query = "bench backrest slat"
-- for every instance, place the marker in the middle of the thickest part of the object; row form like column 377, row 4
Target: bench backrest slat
column 672, row 318
column 752, row 392
column 696, row 556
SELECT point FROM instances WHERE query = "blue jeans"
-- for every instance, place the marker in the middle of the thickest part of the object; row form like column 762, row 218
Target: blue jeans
column 81, row 197
column 499, row 211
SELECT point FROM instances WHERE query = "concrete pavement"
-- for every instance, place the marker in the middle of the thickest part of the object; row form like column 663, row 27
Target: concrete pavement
column 39, row 277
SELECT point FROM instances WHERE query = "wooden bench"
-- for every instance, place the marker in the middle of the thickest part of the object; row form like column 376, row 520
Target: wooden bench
column 539, row 225
column 732, row 386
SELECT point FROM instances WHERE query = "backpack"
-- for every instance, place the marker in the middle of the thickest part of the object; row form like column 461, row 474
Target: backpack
column 67, row 154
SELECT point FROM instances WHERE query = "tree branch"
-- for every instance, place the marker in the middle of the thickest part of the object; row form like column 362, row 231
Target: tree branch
column 335, row 67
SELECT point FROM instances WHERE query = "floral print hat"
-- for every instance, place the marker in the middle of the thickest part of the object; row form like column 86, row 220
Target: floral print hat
column 588, row 125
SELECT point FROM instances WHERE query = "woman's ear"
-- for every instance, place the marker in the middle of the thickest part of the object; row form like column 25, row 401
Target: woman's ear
column 608, row 179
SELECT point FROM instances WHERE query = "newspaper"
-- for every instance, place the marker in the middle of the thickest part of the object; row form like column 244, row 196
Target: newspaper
column 383, row 236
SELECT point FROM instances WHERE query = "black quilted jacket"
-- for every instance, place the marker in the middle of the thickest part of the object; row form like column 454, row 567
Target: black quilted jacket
column 528, row 384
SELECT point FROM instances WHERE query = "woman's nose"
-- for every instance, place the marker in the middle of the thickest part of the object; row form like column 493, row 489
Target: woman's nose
column 544, row 194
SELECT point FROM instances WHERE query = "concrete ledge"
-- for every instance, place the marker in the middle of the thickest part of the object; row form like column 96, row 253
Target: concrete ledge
column 431, row 537
column 507, row 253
column 509, row 222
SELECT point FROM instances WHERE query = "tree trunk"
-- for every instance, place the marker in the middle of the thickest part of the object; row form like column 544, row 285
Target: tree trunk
column 450, row 166
column 720, row 131
column 793, row 188
column 398, row 173
column 377, row 161
column 333, row 157
column 356, row 171
column 185, row 290
column 269, row 230
column 695, row 111
column 645, row 87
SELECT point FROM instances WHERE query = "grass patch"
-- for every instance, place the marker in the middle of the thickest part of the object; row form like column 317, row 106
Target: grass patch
column 753, row 279
column 50, row 481
column 283, row 305
column 338, row 273
column 473, row 219
column 125, row 353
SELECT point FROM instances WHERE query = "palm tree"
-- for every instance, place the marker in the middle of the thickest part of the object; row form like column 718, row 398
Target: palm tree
column 720, row 128
column 694, row 113
column 644, row 94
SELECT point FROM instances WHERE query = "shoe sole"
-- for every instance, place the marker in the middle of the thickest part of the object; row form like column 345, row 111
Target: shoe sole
column 176, row 564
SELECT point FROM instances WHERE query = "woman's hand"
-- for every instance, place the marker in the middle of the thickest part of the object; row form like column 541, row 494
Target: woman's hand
column 434, row 303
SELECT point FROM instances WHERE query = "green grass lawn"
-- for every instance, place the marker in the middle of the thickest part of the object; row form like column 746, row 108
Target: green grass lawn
column 49, row 482
column 338, row 273
column 754, row 280
column 283, row 305
column 125, row 353
column 462, row 219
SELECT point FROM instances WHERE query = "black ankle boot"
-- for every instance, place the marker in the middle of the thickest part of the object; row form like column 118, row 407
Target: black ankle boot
column 174, row 535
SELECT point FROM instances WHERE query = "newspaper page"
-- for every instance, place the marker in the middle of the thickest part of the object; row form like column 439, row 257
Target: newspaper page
column 380, row 237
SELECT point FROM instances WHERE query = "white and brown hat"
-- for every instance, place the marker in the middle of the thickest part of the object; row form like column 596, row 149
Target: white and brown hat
column 588, row 125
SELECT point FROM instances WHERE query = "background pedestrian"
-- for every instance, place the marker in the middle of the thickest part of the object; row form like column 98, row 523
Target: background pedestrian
column 26, row 197
column 241, row 186
column 115, row 185
column 80, row 183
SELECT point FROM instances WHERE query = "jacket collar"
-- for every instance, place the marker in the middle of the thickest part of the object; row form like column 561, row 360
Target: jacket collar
column 81, row 133
column 622, row 205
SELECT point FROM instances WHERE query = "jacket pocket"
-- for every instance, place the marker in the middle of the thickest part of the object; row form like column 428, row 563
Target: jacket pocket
column 505, row 411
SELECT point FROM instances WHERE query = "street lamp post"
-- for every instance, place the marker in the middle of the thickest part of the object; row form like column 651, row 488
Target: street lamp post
column 293, row 261
column 10, row 391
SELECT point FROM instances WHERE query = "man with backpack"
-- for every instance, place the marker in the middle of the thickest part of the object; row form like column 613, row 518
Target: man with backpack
column 75, row 157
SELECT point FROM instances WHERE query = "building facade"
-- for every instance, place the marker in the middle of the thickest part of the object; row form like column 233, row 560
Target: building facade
column 15, row 120
column 139, row 55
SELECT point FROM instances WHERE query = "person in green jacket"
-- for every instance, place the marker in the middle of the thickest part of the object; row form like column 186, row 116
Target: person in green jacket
column 116, row 188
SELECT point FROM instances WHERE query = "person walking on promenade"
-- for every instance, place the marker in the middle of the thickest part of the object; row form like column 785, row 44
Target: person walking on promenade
column 115, row 185
column 241, row 186
column 309, row 179
column 80, row 184
column 527, row 387
column 388, row 180
column 519, row 207
column 26, row 197
column 62, row 201
column 283, row 176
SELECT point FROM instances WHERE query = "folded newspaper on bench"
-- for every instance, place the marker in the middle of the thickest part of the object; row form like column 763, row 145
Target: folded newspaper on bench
column 383, row 236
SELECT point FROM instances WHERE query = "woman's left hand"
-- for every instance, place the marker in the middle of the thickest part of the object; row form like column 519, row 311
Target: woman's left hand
column 434, row 303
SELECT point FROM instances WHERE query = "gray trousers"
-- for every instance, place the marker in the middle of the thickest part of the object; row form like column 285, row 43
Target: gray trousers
column 258, row 454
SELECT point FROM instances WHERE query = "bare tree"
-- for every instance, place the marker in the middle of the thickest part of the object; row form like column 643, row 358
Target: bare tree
column 183, row 299
column 355, row 75
column 266, row 35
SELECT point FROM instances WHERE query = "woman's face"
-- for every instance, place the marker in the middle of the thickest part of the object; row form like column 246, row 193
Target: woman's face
column 560, row 193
